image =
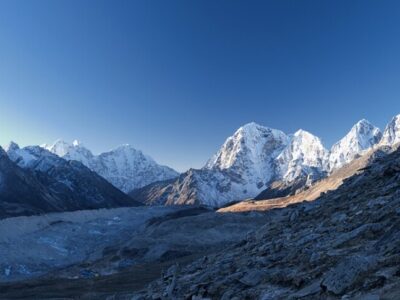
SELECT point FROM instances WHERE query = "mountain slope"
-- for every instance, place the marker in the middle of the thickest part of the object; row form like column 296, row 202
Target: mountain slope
column 391, row 135
column 344, row 245
column 125, row 167
column 247, row 163
column 242, row 168
column 21, row 193
column 63, row 185
column 362, row 137
column 257, row 159
column 301, row 163
column 310, row 193
column 304, row 156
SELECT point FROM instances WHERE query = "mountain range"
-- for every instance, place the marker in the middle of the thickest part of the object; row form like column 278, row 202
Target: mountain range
column 34, row 181
column 255, row 162
column 258, row 159
column 125, row 167
column 343, row 244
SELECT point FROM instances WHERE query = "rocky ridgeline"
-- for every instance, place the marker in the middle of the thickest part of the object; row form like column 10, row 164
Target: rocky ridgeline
column 345, row 245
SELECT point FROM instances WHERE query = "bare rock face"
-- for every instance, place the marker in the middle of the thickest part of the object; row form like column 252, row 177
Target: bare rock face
column 344, row 245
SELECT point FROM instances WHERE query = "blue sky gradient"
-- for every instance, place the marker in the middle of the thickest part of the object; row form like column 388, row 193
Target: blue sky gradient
column 175, row 78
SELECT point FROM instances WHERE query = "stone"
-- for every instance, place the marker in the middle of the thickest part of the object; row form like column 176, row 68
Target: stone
column 252, row 278
column 344, row 275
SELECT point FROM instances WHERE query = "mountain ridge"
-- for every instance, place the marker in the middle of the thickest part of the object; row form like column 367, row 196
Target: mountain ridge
column 36, row 181
column 124, row 166
column 294, row 161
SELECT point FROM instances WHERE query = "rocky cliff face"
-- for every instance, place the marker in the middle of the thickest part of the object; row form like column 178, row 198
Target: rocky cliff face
column 344, row 245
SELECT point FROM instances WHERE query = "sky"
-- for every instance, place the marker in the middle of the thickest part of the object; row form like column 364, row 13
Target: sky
column 176, row 78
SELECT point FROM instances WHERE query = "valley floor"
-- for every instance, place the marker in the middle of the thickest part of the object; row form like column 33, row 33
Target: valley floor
column 94, row 254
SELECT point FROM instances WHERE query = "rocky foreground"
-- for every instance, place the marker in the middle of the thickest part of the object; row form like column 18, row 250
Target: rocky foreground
column 344, row 245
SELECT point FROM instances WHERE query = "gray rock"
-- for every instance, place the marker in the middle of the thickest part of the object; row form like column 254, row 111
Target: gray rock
column 345, row 274
column 252, row 278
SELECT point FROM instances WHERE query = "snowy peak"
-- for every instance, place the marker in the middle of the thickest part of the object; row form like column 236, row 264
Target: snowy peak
column 305, row 155
column 251, row 144
column 309, row 148
column 60, row 148
column 125, row 167
column 12, row 146
column 76, row 143
column 391, row 135
column 362, row 136
column 74, row 151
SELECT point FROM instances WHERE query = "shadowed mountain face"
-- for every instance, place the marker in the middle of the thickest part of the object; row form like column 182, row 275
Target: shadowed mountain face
column 38, row 181
column 21, row 192
column 344, row 244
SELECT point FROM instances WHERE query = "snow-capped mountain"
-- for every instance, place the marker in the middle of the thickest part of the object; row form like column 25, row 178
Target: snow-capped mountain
column 125, row 167
column 258, row 159
column 362, row 136
column 74, row 151
column 250, row 153
column 249, row 160
column 254, row 159
column 304, row 156
column 242, row 168
column 391, row 135
column 38, row 181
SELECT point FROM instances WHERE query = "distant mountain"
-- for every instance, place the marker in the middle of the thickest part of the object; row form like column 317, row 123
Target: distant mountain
column 265, row 163
column 391, row 135
column 245, row 165
column 304, row 161
column 21, row 193
column 241, row 168
column 255, row 162
column 360, row 138
column 304, row 156
column 33, row 180
column 125, row 167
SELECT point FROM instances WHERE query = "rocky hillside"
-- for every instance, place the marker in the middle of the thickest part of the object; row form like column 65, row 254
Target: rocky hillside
column 344, row 245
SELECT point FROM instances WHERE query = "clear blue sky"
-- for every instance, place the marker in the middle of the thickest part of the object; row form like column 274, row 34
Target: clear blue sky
column 175, row 78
